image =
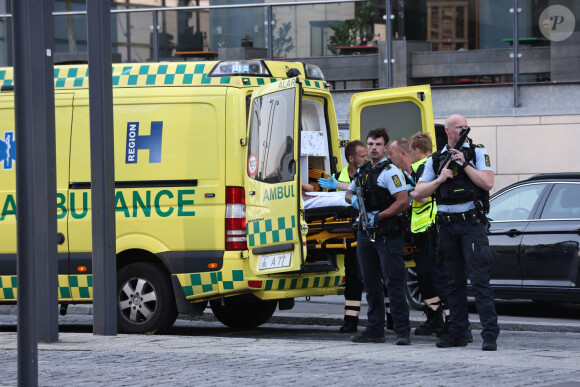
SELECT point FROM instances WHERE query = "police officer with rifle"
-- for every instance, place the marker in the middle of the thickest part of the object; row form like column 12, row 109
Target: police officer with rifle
column 380, row 196
column 461, row 177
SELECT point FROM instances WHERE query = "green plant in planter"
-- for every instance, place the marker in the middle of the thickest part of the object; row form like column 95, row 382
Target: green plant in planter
column 345, row 33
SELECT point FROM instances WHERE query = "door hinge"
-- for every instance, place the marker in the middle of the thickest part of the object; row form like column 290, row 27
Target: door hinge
column 342, row 143
column 243, row 141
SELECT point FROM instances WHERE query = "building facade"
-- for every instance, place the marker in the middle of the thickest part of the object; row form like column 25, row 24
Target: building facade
column 524, row 112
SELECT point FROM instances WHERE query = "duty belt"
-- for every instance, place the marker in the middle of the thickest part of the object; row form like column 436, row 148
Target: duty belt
column 447, row 218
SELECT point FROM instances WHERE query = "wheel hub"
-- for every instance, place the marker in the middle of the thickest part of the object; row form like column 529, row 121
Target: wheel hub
column 136, row 299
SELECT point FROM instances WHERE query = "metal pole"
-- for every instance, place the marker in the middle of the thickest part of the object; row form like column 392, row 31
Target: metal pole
column 270, row 34
column 45, row 177
column 128, row 18
column 155, row 43
column 516, row 54
column 102, row 167
column 389, row 26
column 27, row 26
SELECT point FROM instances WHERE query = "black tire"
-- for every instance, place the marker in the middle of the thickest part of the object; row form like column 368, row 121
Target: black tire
column 243, row 312
column 145, row 299
column 414, row 297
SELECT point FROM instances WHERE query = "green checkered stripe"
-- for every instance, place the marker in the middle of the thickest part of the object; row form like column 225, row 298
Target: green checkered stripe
column 81, row 286
column 151, row 74
column 6, row 77
column 317, row 84
column 8, row 287
column 64, row 287
column 269, row 231
column 155, row 74
column 254, row 81
column 303, row 283
column 71, row 77
column 194, row 284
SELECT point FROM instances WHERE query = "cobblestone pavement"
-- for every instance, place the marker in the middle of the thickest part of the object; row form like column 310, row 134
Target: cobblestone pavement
column 208, row 354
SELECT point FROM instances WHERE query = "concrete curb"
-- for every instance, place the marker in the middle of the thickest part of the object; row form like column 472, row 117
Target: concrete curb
column 334, row 320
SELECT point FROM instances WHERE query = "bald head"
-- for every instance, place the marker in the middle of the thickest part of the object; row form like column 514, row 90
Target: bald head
column 453, row 125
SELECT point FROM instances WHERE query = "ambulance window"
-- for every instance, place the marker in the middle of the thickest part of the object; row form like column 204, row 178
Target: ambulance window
column 401, row 119
column 314, row 142
column 271, row 152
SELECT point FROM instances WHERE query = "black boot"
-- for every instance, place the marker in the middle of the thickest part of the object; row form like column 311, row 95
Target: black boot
column 433, row 324
column 350, row 324
column 444, row 330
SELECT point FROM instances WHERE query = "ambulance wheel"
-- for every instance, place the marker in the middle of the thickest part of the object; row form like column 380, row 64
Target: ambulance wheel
column 145, row 299
column 243, row 312
column 414, row 297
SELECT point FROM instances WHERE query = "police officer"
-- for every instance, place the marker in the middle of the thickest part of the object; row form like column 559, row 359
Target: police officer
column 410, row 157
column 356, row 154
column 462, row 194
column 381, row 253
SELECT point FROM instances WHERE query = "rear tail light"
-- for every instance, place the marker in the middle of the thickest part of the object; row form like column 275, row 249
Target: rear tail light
column 255, row 284
column 235, row 218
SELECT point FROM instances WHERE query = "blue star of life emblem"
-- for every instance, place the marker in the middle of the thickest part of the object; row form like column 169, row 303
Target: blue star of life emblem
column 7, row 150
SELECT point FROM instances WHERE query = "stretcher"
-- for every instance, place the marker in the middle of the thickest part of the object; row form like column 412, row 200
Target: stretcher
column 333, row 229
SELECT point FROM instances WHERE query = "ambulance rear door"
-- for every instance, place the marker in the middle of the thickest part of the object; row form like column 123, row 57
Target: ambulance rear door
column 402, row 111
column 272, row 182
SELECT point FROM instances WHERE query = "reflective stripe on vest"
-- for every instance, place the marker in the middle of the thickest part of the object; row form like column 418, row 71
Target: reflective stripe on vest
column 422, row 214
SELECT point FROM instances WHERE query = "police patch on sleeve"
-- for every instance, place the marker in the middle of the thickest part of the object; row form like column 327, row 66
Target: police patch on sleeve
column 487, row 162
column 396, row 181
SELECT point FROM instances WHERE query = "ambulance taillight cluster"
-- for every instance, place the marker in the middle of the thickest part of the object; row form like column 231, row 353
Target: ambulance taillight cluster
column 235, row 218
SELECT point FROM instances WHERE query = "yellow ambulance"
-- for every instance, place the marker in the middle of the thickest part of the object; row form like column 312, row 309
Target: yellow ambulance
column 209, row 157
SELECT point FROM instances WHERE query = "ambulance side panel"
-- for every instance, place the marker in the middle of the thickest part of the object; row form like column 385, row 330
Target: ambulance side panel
column 169, row 172
column 63, row 116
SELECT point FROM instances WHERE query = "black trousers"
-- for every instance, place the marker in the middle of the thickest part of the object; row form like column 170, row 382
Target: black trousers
column 466, row 254
column 431, row 275
column 353, row 286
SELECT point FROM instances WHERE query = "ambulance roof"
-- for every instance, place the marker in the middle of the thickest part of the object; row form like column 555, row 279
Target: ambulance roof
column 176, row 74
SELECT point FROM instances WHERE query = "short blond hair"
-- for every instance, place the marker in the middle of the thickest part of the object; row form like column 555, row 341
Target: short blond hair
column 422, row 141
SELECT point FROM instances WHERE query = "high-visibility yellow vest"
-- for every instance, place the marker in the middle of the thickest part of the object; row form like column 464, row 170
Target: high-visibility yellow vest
column 422, row 214
column 344, row 177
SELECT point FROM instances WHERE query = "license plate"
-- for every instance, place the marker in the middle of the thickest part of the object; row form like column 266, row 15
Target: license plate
column 274, row 261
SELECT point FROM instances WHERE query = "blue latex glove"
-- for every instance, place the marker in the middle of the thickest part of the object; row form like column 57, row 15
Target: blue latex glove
column 354, row 202
column 328, row 183
column 409, row 188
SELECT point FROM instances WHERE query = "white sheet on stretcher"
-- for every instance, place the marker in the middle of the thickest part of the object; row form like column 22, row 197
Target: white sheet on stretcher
column 325, row 199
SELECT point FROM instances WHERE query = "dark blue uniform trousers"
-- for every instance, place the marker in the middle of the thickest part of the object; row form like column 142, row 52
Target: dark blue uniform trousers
column 431, row 275
column 380, row 261
column 466, row 254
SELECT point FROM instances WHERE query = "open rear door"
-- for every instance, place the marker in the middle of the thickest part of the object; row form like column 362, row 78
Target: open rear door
column 274, row 225
column 402, row 111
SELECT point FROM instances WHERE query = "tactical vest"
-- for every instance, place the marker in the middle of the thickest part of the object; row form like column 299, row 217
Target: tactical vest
column 460, row 189
column 376, row 198
column 422, row 214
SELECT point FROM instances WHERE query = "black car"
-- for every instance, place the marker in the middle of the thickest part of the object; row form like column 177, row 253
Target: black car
column 534, row 236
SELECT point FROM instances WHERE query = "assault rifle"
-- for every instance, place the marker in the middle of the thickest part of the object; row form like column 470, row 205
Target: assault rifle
column 462, row 138
column 363, row 219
